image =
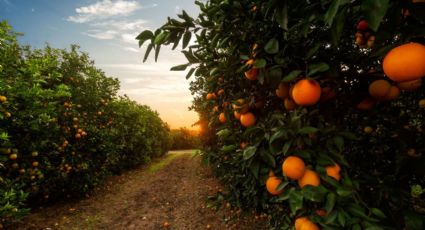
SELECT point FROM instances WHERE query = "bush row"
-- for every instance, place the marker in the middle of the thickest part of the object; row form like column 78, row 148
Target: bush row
column 62, row 126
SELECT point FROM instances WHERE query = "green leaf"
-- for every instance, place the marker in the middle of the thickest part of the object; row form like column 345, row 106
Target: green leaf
column 338, row 27
column 374, row 228
column 317, row 68
column 159, row 39
column 339, row 142
column 344, row 192
column 260, row 63
column 277, row 135
column 148, row 50
column 313, row 50
column 333, row 10
column 378, row 213
column 272, row 46
column 341, row 219
column 179, row 67
column 295, row 200
column 286, row 147
column 414, row 221
column 214, row 71
column 158, row 47
column 223, row 133
column 190, row 73
column 313, row 193
column 356, row 227
column 331, row 217
column 255, row 169
column 268, row 158
column 228, row 148
column 249, row 152
column 330, row 202
column 186, row 38
column 291, row 76
column 308, row 130
column 374, row 11
column 144, row 36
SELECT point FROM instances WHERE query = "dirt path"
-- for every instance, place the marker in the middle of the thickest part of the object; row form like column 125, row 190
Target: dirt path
column 171, row 190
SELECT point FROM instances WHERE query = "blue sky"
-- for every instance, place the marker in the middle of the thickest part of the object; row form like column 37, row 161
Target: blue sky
column 106, row 30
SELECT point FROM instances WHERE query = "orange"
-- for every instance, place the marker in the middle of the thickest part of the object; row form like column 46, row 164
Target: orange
column 211, row 96
column 308, row 225
column 393, row 94
column 321, row 212
column 333, row 171
column 300, row 221
column 368, row 129
column 293, row 167
column 306, row 92
column 222, row 118
column 243, row 145
column 362, row 25
column 241, row 106
column 35, row 164
column 410, row 85
column 272, row 183
column 303, row 223
column 237, row 115
column 289, row 104
column 282, row 91
column 379, row 89
column 310, row 178
column 366, row 104
column 3, row 98
column 422, row 103
column 405, row 62
column 215, row 109
column 220, row 92
column 13, row 156
column 252, row 74
column 247, row 119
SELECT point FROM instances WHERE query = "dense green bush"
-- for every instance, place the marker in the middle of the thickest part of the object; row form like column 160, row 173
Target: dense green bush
column 184, row 138
column 244, row 49
column 62, row 126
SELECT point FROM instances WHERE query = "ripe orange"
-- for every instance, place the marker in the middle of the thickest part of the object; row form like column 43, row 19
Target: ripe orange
column 241, row 106
column 321, row 212
column 35, row 164
column 289, row 104
column 309, row 225
column 368, row 129
column 306, row 92
column 272, row 183
column 77, row 136
column 379, row 89
column 222, row 118
column 393, row 94
column 310, row 178
column 237, row 115
column 13, row 156
column 7, row 114
column 220, row 92
column 282, row 91
column 215, row 109
column 251, row 74
column 362, row 25
column 247, row 119
column 243, row 145
column 211, row 96
column 405, row 62
column 300, row 222
column 422, row 103
column 333, row 171
column 410, row 85
column 3, row 98
column 293, row 167
column 366, row 104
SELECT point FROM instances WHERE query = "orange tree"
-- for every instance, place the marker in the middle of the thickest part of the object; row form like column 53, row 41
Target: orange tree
column 297, row 126
column 62, row 126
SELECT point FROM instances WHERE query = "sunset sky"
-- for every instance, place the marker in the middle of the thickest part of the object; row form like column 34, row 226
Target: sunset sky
column 106, row 30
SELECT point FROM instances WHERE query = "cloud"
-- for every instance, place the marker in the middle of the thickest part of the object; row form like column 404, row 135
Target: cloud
column 104, row 9
column 132, row 49
column 102, row 35
column 138, row 24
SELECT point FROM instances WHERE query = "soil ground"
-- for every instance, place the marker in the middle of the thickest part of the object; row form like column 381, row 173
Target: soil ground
column 170, row 191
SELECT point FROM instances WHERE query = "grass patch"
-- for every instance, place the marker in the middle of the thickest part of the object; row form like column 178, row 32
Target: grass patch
column 160, row 164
